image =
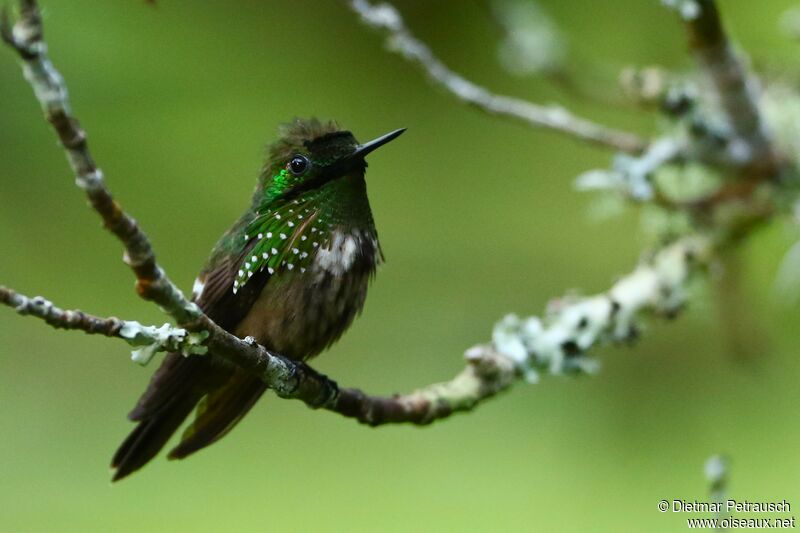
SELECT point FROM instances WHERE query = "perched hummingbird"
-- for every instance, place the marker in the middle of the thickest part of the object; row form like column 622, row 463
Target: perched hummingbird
column 292, row 272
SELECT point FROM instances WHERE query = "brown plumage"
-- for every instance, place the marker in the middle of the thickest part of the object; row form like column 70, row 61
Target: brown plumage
column 292, row 272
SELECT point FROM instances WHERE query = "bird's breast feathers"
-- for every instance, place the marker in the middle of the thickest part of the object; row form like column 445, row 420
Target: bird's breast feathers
column 345, row 249
column 299, row 313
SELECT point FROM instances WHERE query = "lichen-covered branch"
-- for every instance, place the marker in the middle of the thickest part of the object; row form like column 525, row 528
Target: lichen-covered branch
column 749, row 145
column 633, row 175
column 60, row 318
column 399, row 39
column 27, row 38
column 487, row 372
column 559, row 342
column 555, row 344
column 147, row 339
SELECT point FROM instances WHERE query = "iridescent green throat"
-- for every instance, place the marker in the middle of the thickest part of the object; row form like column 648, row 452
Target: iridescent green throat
column 286, row 233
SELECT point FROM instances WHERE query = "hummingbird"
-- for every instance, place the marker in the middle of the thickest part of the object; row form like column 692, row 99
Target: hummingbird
column 292, row 272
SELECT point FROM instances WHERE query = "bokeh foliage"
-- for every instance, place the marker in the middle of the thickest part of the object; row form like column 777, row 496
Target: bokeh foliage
column 477, row 218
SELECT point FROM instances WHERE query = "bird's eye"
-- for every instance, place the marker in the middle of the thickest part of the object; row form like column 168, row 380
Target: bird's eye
column 299, row 164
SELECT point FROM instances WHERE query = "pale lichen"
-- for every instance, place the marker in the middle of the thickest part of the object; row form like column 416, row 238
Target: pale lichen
column 780, row 104
column 532, row 43
column 688, row 9
column 633, row 175
column 559, row 342
column 152, row 339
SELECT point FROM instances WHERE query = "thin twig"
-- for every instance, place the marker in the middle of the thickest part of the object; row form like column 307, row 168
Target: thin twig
column 737, row 90
column 60, row 318
column 26, row 37
column 149, row 339
column 401, row 40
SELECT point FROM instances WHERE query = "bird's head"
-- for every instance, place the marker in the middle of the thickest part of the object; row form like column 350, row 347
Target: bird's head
column 311, row 154
column 311, row 199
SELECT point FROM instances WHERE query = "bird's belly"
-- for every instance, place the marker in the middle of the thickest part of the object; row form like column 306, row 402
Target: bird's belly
column 299, row 315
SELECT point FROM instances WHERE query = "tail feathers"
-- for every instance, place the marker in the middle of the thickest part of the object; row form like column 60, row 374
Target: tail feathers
column 223, row 395
column 150, row 435
column 175, row 377
column 219, row 412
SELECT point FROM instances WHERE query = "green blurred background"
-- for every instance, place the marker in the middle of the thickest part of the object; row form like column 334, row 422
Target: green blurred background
column 477, row 217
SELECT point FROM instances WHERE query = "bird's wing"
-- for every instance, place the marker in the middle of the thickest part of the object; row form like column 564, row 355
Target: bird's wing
column 177, row 374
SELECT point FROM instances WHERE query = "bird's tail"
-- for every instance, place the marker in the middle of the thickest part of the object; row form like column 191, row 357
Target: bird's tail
column 219, row 411
column 223, row 394
column 150, row 435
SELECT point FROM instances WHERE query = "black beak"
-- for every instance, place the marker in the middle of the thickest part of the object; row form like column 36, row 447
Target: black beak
column 363, row 149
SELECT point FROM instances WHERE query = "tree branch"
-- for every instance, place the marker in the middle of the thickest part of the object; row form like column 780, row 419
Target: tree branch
column 556, row 343
column 150, row 339
column 749, row 145
column 60, row 318
column 487, row 373
column 399, row 39
column 27, row 38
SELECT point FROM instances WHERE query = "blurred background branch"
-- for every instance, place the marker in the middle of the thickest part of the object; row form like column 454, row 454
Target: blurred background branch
column 736, row 89
column 399, row 39
column 717, row 473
